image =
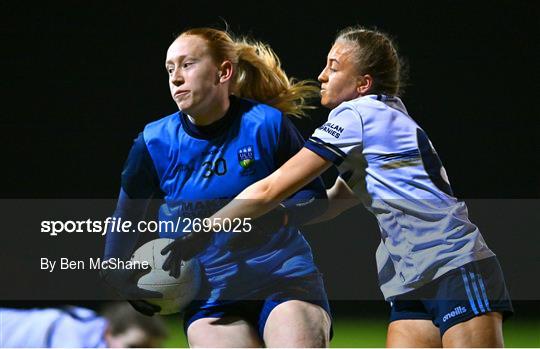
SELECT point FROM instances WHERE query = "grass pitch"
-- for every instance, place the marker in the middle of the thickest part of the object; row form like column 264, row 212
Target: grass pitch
column 351, row 332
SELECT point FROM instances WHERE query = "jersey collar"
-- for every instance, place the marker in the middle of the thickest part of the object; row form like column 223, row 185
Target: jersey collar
column 214, row 129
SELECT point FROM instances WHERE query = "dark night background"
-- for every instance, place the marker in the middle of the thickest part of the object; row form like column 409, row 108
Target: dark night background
column 80, row 80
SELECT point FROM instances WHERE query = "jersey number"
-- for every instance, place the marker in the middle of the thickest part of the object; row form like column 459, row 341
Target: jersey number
column 218, row 167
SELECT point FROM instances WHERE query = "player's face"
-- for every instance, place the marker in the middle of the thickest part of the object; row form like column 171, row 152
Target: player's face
column 339, row 79
column 193, row 75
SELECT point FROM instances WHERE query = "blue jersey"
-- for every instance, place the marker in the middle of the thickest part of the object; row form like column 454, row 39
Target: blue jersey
column 199, row 169
column 51, row 328
column 389, row 162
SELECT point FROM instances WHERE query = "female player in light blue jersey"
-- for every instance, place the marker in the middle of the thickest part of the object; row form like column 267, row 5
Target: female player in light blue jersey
column 444, row 284
column 224, row 138
column 74, row 327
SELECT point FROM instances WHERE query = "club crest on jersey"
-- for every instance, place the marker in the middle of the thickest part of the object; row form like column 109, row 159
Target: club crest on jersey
column 246, row 156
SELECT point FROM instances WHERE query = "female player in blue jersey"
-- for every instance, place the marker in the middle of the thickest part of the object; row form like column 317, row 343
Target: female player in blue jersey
column 444, row 284
column 224, row 138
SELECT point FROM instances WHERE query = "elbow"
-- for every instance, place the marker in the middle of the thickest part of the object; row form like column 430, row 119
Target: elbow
column 259, row 193
column 267, row 195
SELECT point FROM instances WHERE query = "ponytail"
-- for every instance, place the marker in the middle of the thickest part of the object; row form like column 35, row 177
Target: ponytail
column 259, row 75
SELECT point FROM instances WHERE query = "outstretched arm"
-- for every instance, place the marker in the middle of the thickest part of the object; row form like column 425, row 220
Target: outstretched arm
column 321, row 151
column 305, row 204
column 138, row 187
column 264, row 195
column 120, row 244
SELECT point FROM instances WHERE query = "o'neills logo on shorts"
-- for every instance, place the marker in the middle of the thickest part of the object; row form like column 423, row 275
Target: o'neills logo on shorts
column 457, row 311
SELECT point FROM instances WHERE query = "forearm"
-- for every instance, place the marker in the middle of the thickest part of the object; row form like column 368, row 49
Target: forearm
column 261, row 197
column 340, row 199
column 120, row 244
column 253, row 202
column 334, row 209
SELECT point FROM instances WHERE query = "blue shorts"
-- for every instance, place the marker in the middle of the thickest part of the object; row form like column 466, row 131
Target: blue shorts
column 471, row 290
column 257, row 309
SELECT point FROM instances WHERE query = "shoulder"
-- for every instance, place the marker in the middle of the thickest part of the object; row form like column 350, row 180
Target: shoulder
column 155, row 128
column 373, row 108
column 162, row 130
column 362, row 105
column 259, row 113
column 347, row 113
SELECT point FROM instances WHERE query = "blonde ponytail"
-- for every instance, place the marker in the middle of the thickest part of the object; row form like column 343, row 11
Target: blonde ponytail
column 259, row 75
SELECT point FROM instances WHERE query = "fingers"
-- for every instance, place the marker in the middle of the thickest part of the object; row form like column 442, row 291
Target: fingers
column 145, row 308
column 175, row 270
column 167, row 263
column 173, row 265
column 167, row 248
column 172, row 262
column 134, row 292
column 142, row 293
column 136, row 274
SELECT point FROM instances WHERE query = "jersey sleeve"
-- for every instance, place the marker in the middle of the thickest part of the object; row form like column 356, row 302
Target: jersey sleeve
column 289, row 143
column 338, row 136
column 118, row 243
column 139, row 176
column 139, row 184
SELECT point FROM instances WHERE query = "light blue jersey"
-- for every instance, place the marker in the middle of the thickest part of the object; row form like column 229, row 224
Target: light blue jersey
column 389, row 162
column 51, row 328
